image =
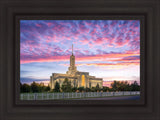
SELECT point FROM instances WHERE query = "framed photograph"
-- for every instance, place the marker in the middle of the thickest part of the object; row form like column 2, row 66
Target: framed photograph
column 108, row 49
column 79, row 60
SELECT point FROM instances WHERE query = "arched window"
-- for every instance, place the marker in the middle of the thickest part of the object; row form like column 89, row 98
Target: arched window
column 83, row 80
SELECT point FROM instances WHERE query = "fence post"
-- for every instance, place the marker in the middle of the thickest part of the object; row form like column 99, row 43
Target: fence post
column 28, row 96
column 63, row 95
column 47, row 96
column 42, row 96
column 34, row 96
column 21, row 96
column 57, row 95
column 53, row 96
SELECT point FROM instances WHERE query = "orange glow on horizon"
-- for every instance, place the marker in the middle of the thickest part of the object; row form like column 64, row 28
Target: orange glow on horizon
column 103, row 57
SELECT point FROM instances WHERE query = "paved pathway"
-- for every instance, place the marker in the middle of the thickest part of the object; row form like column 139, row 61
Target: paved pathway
column 114, row 98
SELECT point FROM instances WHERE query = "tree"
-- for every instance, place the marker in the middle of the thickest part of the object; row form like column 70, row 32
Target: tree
column 81, row 89
column 41, row 87
column 93, row 89
column 97, row 87
column 25, row 88
column 105, row 89
column 87, row 89
column 57, row 87
column 74, row 89
column 114, row 85
column 135, row 86
column 123, row 86
column 34, row 87
column 66, row 86
column 47, row 88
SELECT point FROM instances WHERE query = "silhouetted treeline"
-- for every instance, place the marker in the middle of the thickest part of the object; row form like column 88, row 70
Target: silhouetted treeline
column 33, row 88
column 67, row 87
column 124, row 86
column 115, row 86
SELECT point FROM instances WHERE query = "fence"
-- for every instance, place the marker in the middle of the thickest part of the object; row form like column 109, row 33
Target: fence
column 73, row 95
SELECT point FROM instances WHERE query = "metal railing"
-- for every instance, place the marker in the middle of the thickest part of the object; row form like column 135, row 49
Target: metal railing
column 73, row 95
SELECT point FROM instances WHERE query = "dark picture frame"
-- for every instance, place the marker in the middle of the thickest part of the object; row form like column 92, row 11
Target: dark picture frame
column 148, row 107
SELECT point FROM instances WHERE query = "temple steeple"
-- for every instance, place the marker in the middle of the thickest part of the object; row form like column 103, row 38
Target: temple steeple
column 72, row 60
column 72, row 68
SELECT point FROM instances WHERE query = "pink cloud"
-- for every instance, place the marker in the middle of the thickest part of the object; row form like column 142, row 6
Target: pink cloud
column 98, row 41
column 84, row 42
column 81, row 57
column 49, row 24
column 38, row 25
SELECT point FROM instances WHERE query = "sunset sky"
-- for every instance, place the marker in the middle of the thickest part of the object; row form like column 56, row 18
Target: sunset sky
column 109, row 49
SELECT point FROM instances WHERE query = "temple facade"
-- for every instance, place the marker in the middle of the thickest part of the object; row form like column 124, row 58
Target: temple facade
column 77, row 78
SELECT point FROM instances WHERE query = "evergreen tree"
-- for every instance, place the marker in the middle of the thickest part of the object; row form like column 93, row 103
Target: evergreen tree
column 41, row 87
column 57, row 87
column 35, row 87
column 97, row 87
column 66, row 86
column 115, row 85
column 135, row 86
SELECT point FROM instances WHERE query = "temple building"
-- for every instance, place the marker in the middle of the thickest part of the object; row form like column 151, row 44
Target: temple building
column 77, row 78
